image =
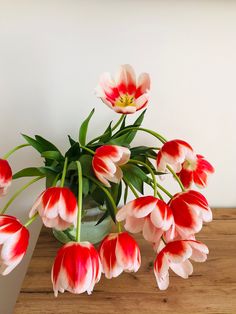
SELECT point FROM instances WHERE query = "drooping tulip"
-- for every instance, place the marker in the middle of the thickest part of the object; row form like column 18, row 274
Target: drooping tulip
column 77, row 268
column 107, row 161
column 57, row 207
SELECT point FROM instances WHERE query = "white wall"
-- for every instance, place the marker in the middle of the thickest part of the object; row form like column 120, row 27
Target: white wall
column 52, row 53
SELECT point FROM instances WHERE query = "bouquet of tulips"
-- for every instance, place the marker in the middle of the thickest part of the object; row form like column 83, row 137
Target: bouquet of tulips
column 106, row 169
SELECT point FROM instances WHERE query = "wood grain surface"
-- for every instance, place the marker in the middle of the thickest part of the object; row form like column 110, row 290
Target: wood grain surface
column 211, row 288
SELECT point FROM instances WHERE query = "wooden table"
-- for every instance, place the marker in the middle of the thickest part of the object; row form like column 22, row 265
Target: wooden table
column 211, row 289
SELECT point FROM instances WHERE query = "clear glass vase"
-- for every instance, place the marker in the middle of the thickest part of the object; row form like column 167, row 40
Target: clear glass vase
column 89, row 230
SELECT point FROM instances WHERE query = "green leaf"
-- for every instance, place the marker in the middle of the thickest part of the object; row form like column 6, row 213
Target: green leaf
column 33, row 143
column 107, row 134
column 28, row 172
column 73, row 152
column 104, row 216
column 53, row 155
column 85, row 186
column 127, row 137
column 86, row 164
column 71, row 140
column 135, row 176
column 84, row 128
column 98, row 195
column 45, row 144
column 110, row 209
column 116, row 190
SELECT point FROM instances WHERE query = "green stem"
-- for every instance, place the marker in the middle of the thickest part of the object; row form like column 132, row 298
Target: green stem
column 56, row 179
column 80, row 197
column 8, row 154
column 87, row 149
column 109, row 197
column 164, row 190
column 29, row 222
column 131, row 187
column 138, row 162
column 112, row 129
column 118, row 122
column 176, row 178
column 19, row 192
column 64, row 172
column 158, row 136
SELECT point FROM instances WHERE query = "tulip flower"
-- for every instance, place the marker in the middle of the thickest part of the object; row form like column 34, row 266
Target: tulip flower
column 57, row 207
column 174, row 153
column 196, row 171
column 119, row 252
column 176, row 255
column 190, row 209
column 124, row 94
column 148, row 214
column 106, row 162
column 77, row 268
column 14, row 238
column 5, row 176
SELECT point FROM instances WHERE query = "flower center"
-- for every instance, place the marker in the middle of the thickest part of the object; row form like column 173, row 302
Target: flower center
column 125, row 100
column 190, row 165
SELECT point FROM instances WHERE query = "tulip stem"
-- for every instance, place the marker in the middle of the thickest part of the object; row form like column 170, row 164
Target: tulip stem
column 131, row 187
column 176, row 178
column 8, row 154
column 158, row 136
column 118, row 122
column 109, row 197
column 138, row 162
column 80, row 198
column 19, row 192
column 64, row 172
column 87, row 149
column 29, row 222
column 164, row 190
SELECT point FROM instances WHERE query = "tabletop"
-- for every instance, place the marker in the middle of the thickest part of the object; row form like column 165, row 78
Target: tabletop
column 211, row 288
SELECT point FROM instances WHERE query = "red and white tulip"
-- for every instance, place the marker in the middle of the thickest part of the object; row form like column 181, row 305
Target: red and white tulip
column 106, row 162
column 190, row 209
column 174, row 153
column 119, row 252
column 148, row 214
column 57, row 207
column 14, row 239
column 77, row 268
column 176, row 255
column 195, row 171
column 124, row 94
column 5, row 176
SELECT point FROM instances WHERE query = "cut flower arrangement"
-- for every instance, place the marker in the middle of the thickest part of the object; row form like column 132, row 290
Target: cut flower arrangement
column 103, row 171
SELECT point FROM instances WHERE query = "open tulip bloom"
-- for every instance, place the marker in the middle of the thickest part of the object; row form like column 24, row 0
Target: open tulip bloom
column 105, row 170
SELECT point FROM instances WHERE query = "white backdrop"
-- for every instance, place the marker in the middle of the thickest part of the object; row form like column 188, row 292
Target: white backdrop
column 52, row 53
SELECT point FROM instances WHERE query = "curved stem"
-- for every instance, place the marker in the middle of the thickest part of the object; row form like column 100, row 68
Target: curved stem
column 156, row 135
column 164, row 190
column 112, row 129
column 109, row 197
column 118, row 122
column 19, row 192
column 8, row 154
column 64, row 172
column 87, row 149
column 80, row 196
column 131, row 187
column 150, row 171
column 29, row 222
column 176, row 178
column 56, row 179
